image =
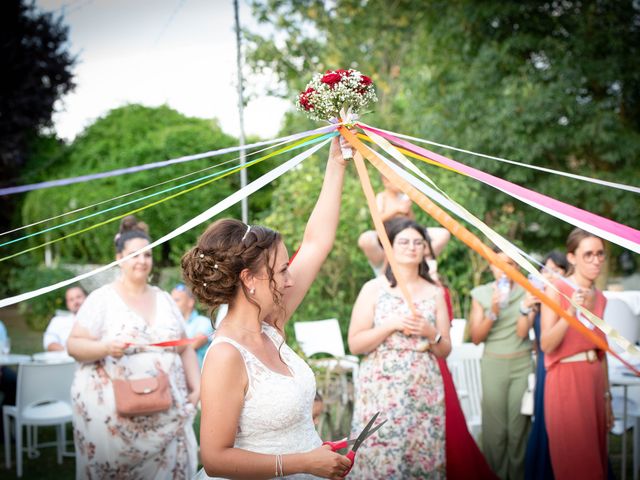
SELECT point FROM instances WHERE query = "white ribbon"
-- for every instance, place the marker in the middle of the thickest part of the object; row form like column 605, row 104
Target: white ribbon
column 507, row 247
column 194, row 222
column 605, row 183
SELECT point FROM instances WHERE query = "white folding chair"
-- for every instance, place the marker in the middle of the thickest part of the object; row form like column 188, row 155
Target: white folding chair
column 324, row 336
column 456, row 332
column 619, row 315
column 43, row 398
column 464, row 363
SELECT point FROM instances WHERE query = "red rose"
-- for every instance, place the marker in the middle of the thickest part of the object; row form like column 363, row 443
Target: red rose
column 364, row 80
column 331, row 78
column 305, row 102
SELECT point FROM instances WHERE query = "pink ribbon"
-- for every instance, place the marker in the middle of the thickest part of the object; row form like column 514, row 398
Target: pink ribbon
column 614, row 228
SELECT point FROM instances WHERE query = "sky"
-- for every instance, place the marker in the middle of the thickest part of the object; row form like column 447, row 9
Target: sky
column 176, row 52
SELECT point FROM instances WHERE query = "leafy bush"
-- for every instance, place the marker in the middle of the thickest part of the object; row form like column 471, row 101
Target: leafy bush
column 38, row 311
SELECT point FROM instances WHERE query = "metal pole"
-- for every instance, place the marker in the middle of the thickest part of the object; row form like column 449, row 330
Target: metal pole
column 243, row 172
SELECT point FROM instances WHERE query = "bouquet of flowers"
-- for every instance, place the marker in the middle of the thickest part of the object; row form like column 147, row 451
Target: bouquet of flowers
column 337, row 94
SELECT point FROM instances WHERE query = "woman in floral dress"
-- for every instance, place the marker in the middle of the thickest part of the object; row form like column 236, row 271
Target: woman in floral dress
column 399, row 375
column 160, row 445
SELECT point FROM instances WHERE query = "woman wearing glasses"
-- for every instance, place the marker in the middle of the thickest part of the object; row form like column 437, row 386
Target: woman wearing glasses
column 577, row 399
column 399, row 374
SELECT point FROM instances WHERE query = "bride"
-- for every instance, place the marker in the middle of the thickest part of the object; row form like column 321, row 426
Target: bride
column 256, row 393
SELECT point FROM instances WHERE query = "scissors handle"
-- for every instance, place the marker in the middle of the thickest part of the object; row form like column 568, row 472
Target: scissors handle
column 351, row 456
column 335, row 446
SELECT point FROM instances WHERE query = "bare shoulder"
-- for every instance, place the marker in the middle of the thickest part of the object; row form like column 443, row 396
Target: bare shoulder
column 373, row 286
column 223, row 359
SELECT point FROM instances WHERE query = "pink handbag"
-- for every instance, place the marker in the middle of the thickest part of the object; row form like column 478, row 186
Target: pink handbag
column 143, row 396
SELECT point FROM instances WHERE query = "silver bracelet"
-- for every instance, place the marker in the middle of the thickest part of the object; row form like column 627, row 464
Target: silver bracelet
column 279, row 467
column 523, row 310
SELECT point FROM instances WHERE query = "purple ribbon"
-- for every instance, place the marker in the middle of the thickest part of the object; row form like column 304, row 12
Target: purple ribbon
column 150, row 166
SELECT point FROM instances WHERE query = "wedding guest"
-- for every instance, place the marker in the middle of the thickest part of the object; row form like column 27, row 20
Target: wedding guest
column 391, row 202
column 109, row 340
column 537, row 458
column 257, row 394
column 496, row 320
column 399, row 374
column 197, row 326
column 577, row 399
column 57, row 332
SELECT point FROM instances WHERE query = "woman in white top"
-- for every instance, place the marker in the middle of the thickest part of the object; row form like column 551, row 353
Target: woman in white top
column 161, row 445
column 257, row 394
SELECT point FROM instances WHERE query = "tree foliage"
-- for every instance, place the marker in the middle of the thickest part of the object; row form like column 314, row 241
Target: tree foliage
column 128, row 136
column 36, row 72
column 554, row 84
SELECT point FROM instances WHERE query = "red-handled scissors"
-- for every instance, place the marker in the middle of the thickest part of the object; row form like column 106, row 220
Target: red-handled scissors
column 356, row 442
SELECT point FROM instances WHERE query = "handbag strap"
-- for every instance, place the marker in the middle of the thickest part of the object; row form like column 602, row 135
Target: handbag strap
column 101, row 368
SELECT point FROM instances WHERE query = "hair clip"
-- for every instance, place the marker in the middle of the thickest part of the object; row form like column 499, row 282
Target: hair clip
column 246, row 233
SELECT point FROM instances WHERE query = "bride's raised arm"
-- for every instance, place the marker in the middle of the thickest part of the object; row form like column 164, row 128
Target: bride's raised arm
column 320, row 231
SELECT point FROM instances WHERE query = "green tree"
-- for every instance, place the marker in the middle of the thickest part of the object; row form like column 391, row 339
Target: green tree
column 135, row 135
column 554, row 84
column 36, row 72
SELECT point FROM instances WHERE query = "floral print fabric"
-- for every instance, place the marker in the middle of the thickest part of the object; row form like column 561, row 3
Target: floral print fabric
column 405, row 385
column 158, row 446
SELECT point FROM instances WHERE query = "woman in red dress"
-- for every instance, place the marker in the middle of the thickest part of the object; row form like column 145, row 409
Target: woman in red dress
column 464, row 458
column 577, row 399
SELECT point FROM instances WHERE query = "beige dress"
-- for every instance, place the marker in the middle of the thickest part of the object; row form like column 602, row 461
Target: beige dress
column 158, row 446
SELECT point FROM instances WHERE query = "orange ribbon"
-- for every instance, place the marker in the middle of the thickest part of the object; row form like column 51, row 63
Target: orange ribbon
column 474, row 242
column 365, row 182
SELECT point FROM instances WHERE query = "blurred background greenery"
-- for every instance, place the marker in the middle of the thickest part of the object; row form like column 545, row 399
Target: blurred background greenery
column 552, row 84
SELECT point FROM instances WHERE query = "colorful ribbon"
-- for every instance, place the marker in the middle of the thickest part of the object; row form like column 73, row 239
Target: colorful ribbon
column 194, row 222
column 603, row 227
column 597, row 181
column 474, row 243
column 140, row 190
column 217, row 175
column 511, row 250
column 149, row 166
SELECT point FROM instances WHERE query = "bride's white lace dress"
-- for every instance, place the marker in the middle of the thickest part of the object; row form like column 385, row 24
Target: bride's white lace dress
column 276, row 416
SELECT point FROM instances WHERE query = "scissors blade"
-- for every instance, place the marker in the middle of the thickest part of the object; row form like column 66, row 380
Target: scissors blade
column 363, row 435
column 375, row 429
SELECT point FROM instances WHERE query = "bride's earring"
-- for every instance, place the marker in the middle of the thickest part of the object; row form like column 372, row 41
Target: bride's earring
column 252, row 291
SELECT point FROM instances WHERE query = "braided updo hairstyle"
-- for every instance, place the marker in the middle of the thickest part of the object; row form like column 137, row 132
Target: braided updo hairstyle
column 212, row 268
column 130, row 228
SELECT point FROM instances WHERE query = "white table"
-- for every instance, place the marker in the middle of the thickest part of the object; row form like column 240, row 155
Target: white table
column 619, row 379
column 52, row 357
column 14, row 359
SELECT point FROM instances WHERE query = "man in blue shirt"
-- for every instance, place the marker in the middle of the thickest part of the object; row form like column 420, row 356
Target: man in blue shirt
column 196, row 325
